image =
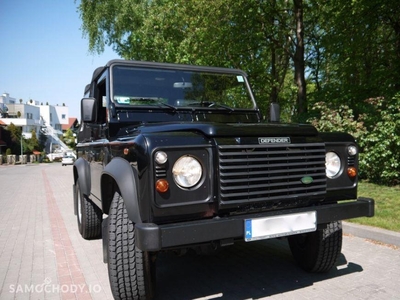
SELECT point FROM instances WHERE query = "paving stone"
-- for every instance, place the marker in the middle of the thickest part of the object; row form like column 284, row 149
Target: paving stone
column 40, row 246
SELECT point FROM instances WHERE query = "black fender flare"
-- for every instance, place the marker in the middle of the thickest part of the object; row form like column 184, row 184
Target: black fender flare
column 121, row 172
column 81, row 174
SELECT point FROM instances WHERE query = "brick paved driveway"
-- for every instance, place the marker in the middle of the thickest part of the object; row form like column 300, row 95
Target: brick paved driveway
column 42, row 256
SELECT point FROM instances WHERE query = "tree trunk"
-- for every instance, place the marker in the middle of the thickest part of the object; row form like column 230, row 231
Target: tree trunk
column 299, row 65
column 396, row 28
column 274, row 76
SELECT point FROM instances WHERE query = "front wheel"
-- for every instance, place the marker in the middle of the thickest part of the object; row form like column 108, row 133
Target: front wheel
column 89, row 216
column 130, row 270
column 318, row 251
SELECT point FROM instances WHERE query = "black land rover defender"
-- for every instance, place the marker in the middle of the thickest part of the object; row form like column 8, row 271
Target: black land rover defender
column 179, row 157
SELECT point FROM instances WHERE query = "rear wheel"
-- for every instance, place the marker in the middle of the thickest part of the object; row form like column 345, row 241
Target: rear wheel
column 318, row 251
column 89, row 216
column 131, row 271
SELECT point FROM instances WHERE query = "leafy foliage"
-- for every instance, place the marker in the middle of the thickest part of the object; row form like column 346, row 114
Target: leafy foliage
column 380, row 158
column 255, row 36
column 355, row 51
column 33, row 143
column 13, row 137
column 15, row 134
column 69, row 139
column 330, row 119
column 379, row 141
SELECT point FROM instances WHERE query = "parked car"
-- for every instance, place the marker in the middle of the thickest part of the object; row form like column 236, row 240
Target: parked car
column 67, row 160
column 179, row 157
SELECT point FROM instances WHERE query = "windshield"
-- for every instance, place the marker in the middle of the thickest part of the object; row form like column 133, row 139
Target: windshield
column 134, row 86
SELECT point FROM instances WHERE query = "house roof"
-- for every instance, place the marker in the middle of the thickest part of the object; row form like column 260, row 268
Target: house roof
column 72, row 122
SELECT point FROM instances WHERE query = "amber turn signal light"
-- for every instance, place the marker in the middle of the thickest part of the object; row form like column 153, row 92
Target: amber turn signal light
column 352, row 172
column 162, row 186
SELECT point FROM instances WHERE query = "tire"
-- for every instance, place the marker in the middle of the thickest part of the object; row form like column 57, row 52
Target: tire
column 318, row 251
column 89, row 216
column 130, row 270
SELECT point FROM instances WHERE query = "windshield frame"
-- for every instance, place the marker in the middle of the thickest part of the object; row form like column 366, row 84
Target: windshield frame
column 212, row 104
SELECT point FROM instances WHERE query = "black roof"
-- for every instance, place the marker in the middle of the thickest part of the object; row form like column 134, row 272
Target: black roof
column 172, row 66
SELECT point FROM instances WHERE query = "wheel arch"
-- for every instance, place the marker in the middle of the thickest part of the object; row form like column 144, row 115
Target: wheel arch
column 82, row 173
column 119, row 176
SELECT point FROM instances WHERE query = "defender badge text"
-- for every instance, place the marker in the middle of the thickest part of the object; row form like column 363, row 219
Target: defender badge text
column 276, row 140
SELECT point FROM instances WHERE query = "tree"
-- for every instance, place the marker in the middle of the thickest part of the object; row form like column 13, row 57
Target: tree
column 33, row 143
column 355, row 51
column 342, row 51
column 240, row 34
column 69, row 139
column 42, row 140
column 16, row 137
column 299, row 64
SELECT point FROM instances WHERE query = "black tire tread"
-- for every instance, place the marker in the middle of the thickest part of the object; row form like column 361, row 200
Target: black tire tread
column 92, row 216
column 125, row 264
column 321, row 250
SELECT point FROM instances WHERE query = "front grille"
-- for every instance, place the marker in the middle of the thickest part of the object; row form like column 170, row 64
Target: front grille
column 268, row 174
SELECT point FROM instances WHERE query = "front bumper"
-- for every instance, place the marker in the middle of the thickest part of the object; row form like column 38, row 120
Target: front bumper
column 153, row 237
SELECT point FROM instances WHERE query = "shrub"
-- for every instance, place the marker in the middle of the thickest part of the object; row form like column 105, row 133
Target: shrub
column 377, row 133
column 341, row 119
column 380, row 158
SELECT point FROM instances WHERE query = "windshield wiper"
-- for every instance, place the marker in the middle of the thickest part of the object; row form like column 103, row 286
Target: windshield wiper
column 154, row 100
column 220, row 105
column 212, row 104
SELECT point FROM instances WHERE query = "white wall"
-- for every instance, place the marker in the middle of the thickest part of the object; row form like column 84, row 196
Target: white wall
column 29, row 120
column 62, row 114
column 55, row 116
column 6, row 99
column 33, row 115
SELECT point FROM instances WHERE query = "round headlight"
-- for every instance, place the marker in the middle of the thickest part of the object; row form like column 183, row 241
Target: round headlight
column 352, row 150
column 161, row 157
column 332, row 164
column 187, row 171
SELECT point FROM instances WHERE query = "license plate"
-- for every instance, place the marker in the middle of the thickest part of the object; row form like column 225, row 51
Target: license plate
column 277, row 226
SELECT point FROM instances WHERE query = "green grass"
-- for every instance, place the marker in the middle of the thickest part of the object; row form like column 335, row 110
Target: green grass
column 387, row 206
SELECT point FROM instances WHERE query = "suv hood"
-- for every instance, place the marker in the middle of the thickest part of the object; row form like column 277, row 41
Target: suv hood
column 232, row 130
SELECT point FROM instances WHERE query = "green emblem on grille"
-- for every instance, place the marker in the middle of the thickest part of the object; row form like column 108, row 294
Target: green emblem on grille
column 307, row 180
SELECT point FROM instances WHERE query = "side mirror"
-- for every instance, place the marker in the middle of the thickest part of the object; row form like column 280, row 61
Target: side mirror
column 274, row 112
column 88, row 110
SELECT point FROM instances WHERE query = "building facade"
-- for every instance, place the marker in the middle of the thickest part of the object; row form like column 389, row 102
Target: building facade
column 31, row 116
